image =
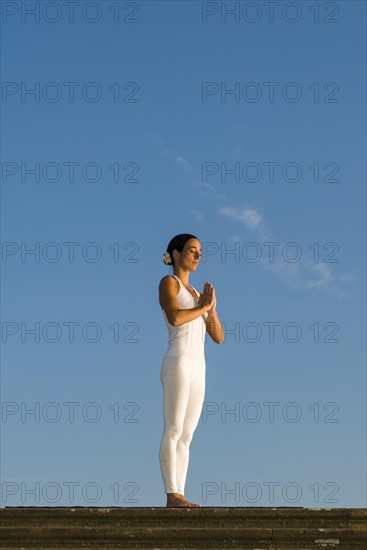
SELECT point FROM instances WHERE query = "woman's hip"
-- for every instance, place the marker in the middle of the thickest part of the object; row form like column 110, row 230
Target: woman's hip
column 181, row 365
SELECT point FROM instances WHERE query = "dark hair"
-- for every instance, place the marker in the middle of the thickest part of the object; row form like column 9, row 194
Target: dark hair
column 178, row 243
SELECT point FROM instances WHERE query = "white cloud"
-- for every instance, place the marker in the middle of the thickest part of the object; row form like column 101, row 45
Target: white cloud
column 304, row 273
column 323, row 272
column 249, row 216
column 183, row 162
column 197, row 214
column 174, row 155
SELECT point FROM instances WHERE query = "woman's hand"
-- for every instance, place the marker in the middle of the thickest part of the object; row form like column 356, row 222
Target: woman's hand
column 207, row 298
column 214, row 303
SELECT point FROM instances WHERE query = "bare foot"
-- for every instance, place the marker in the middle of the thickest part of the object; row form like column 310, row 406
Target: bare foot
column 176, row 500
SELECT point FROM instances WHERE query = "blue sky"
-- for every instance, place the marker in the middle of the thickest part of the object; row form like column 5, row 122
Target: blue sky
column 170, row 140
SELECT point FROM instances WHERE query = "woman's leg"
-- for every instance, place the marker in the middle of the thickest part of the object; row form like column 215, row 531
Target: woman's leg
column 175, row 378
column 193, row 412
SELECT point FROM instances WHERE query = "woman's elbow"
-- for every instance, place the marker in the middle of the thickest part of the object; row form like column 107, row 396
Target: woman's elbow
column 173, row 319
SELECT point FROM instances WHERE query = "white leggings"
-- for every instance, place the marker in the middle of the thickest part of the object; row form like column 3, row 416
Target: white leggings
column 183, row 380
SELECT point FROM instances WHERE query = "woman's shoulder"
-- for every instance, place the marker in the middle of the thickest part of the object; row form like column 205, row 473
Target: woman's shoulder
column 167, row 278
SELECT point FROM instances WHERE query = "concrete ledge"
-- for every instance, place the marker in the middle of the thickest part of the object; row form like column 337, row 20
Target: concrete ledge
column 288, row 528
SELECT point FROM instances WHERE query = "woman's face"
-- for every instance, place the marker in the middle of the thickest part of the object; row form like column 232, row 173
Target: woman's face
column 190, row 256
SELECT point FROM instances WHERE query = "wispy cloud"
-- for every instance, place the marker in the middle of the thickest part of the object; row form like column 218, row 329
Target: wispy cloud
column 305, row 273
column 198, row 215
column 176, row 157
column 249, row 216
column 183, row 162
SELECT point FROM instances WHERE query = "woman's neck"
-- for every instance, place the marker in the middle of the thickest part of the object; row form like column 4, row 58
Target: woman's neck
column 183, row 276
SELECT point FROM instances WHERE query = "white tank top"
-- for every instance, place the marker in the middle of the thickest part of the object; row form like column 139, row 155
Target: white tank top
column 187, row 339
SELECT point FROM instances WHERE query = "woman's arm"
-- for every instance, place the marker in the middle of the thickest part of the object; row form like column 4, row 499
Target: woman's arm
column 214, row 327
column 168, row 301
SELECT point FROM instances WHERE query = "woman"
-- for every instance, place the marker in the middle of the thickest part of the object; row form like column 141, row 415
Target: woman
column 188, row 314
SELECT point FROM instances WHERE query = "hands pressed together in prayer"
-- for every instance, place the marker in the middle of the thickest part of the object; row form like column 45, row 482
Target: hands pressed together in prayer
column 207, row 298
